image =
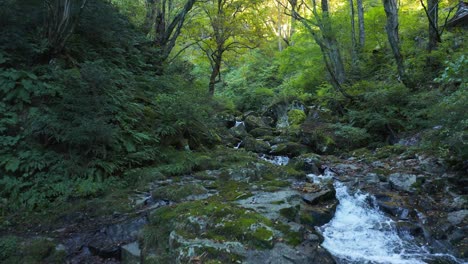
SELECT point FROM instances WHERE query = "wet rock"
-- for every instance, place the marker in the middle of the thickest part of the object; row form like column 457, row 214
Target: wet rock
column 456, row 218
column 309, row 163
column 405, row 227
column 372, row 178
column 318, row 215
column 272, row 204
column 131, row 253
column 106, row 242
column 318, row 197
column 306, row 253
column 402, row 181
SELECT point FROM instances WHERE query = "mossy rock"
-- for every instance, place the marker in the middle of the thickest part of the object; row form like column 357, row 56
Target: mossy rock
column 221, row 222
column 258, row 146
column 252, row 122
column 296, row 116
column 290, row 149
column 178, row 192
column 290, row 213
column 309, row 163
column 261, row 132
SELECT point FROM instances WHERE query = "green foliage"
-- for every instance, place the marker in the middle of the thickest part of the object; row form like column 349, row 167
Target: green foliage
column 71, row 127
column 451, row 133
column 350, row 137
column 455, row 73
column 381, row 110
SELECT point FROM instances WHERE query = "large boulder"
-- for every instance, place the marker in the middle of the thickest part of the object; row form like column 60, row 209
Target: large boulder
column 252, row 122
column 238, row 131
column 256, row 145
column 290, row 149
column 402, row 181
column 261, row 132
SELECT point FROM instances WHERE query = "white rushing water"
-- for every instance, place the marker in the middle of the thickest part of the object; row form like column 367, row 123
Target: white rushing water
column 360, row 233
column 277, row 160
column 239, row 123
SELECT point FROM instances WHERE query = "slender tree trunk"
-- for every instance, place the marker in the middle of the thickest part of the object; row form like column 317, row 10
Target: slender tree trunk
column 362, row 36
column 167, row 28
column 433, row 17
column 280, row 30
column 150, row 16
column 62, row 18
column 391, row 11
column 353, row 33
column 216, row 70
column 332, row 45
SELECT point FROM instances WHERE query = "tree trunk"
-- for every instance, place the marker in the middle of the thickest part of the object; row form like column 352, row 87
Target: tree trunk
column 150, row 16
column 353, row 33
column 62, row 18
column 331, row 46
column 168, row 28
column 391, row 27
column 433, row 17
column 215, row 71
column 362, row 36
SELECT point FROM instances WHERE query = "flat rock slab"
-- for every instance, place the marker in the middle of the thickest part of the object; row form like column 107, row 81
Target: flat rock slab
column 269, row 204
column 318, row 197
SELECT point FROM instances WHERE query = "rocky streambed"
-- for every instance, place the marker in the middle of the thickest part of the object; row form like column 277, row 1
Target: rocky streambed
column 263, row 198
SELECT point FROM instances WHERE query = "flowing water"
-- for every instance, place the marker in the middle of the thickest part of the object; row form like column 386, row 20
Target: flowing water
column 277, row 160
column 360, row 233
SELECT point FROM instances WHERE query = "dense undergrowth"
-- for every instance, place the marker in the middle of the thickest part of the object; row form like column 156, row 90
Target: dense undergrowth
column 71, row 126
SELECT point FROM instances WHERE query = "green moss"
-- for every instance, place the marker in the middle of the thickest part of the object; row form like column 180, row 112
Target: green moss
column 221, row 222
column 292, row 238
column 233, row 190
column 306, row 218
column 178, row 192
column 296, row 116
column 14, row 250
column 290, row 213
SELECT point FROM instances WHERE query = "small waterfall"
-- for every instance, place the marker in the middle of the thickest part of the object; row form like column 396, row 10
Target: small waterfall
column 277, row 160
column 360, row 233
column 238, row 145
column 239, row 123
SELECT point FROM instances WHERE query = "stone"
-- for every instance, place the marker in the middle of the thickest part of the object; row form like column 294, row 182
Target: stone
column 252, row 122
column 255, row 145
column 238, row 131
column 456, row 218
column 318, row 197
column 402, row 181
column 261, row 132
column 131, row 253
column 372, row 178
column 290, row 149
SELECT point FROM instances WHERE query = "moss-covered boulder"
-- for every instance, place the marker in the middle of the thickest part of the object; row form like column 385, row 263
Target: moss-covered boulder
column 290, row 149
column 309, row 162
column 252, row 122
column 261, row 132
column 210, row 220
column 256, row 145
column 296, row 116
